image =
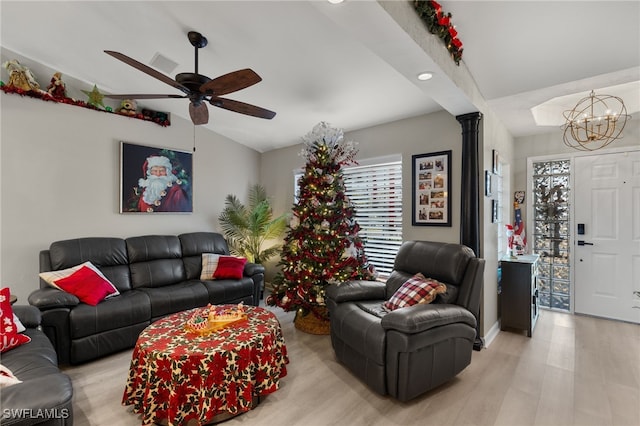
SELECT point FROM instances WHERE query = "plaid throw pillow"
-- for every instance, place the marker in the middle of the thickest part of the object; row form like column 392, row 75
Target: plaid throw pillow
column 416, row 289
column 209, row 265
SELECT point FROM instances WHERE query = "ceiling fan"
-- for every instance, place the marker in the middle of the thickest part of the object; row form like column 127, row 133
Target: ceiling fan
column 199, row 88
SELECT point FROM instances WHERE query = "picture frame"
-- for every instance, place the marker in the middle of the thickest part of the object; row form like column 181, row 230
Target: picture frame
column 431, row 189
column 155, row 180
column 487, row 183
column 494, row 211
column 496, row 162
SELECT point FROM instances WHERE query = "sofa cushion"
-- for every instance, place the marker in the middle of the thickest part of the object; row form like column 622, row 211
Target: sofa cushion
column 36, row 359
column 416, row 289
column 373, row 307
column 445, row 262
column 229, row 291
column 99, row 250
column 194, row 244
column 229, row 267
column 131, row 307
column 10, row 337
column 395, row 281
column 7, row 378
column 176, row 298
column 87, row 286
column 449, row 296
column 107, row 254
column 156, row 261
column 51, row 392
column 428, row 316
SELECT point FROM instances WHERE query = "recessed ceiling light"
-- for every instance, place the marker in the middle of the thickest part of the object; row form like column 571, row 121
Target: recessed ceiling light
column 425, row 76
column 335, row 1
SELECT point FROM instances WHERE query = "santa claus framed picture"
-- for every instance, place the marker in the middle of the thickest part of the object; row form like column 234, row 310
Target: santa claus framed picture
column 155, row 180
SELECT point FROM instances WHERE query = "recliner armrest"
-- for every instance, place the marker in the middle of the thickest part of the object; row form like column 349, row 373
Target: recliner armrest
column 356, row 290
column 250, row 269
column 50, row 298
column 422, row 317
column 28, row 315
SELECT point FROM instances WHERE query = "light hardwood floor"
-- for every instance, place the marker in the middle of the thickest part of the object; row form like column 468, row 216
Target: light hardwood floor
column 575, row 370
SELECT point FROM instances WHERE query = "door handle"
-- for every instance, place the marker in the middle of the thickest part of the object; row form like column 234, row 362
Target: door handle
column 584, row 243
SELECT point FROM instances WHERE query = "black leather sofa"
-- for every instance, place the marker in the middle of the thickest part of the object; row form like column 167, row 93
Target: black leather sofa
column 156, row 275
column 44, row 397
column 409, row 351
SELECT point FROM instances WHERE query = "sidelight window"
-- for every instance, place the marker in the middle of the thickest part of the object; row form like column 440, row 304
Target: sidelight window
column 551, row 189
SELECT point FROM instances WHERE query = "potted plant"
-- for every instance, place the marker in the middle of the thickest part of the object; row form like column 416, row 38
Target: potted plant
column 247, row 228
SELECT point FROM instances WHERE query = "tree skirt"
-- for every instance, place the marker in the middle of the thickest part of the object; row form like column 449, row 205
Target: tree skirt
column 310, row 323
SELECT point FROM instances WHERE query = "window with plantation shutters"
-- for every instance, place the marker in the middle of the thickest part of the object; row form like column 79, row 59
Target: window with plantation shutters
column 376, row 192
column 375, row 188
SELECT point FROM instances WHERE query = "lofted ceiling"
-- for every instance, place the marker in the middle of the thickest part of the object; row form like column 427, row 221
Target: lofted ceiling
column 350, row 64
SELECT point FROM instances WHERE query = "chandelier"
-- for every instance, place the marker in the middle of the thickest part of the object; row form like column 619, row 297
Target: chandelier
column 595, row 122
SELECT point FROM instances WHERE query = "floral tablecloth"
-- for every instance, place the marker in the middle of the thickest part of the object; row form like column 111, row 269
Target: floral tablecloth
column 179, row 376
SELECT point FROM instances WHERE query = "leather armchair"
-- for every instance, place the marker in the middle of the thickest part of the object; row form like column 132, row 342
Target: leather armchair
column 411, row 350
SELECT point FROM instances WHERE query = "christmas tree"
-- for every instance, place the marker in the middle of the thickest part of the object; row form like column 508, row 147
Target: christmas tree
column 322, row 246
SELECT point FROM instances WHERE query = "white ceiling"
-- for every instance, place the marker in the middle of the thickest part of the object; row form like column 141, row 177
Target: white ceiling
column 349, row 64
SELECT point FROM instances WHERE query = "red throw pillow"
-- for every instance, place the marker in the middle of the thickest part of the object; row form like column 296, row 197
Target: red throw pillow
column 229, row 267
column 9, row 336
column 86, row 285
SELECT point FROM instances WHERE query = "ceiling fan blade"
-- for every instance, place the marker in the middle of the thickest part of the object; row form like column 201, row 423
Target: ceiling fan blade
column 242, row 108
column 199, row 113
column 147, row 70
column 231, row 82
column 139, row 96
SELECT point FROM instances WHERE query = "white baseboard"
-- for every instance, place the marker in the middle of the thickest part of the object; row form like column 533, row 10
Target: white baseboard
column 492, row 334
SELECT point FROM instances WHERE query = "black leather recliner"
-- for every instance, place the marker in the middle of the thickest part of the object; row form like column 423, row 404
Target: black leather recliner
column 411, row 350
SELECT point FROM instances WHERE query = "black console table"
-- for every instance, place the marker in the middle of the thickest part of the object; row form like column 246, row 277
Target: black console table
column 519, row 295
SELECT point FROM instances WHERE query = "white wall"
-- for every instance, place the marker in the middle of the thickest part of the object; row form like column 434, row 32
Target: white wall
column 60, row 179
column 494, row 137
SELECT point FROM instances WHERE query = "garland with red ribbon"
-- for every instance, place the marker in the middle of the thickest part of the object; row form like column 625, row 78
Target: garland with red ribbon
column 162, row 119
column 439, row 23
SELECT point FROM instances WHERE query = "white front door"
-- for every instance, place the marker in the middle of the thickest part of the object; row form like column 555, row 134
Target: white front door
column 607, row 266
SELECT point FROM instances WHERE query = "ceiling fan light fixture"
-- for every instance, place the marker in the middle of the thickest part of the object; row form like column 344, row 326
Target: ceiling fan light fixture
column 424, row 76
column 595, row 122
column 199, row 113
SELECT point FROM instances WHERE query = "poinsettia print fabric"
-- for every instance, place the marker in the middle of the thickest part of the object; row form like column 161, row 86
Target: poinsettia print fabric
column 179, row 376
